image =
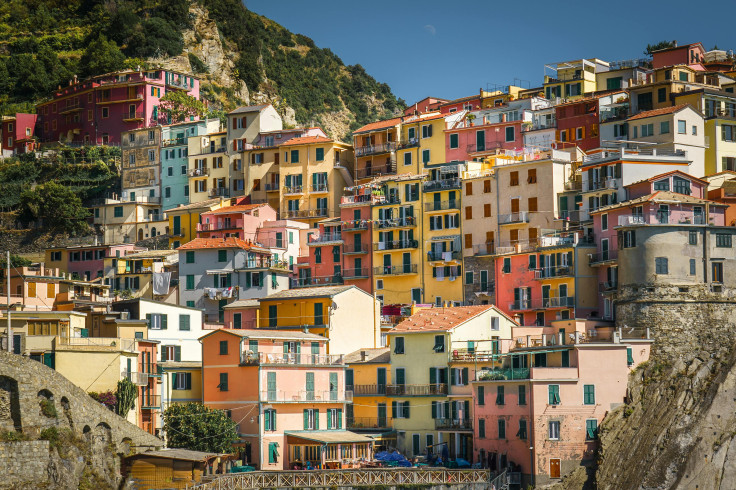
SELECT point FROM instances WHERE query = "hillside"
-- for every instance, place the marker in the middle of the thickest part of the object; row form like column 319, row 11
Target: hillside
column 242, row 58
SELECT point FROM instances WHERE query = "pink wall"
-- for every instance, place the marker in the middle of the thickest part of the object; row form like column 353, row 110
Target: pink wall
column 248, row 317
column 458, row 106
column 684, row 55
column 519, row 277
column 639, row 189
column 495, row 137
column 212, row 224
column 348, row 261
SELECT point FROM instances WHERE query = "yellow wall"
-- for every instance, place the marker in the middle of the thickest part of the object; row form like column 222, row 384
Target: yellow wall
column 93, row 371
column 445, row 289
column 189, row 221
column 435, row 144
column 367, row 406
column 185, row 396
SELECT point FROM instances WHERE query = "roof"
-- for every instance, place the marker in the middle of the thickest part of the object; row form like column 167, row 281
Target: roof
column 265, row 333
column 197, row 205
column 306, row 140
column 658, row 112
column 150, row 254
column 440, row 319
column 461, row 99
column 659, row 176
column 672, row 48
column 180, row 454
column 243, row 303
column 248, row 108
column 397, row 178
column 316, row 292
column 421, row 118
column 228, row 242
column 180, row 364
column 328, row 436
column 375, row 126
column 239, row 208
column 656, row 196
column 372, row 356
column 596, row 96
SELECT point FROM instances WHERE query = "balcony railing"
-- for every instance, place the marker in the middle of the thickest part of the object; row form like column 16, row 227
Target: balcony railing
column 271, row 187
column 306, row 213
column 607, row 286
column 397, row 222
column 150, row 402
column 453, row 424
column 416, row 390
column 442, row 205
column 512, row 218
column 502, row 374
column 324, row 238
column 305, row 282
column 486, row 288
column 396, row 245
column 174, row 142
column 370, row 389
column 319, row 188
column 220, row 225
column 199, row 172
column 262, row 358
column 434, row 256
column 133, row 116
column 366, row 198
column 138, row 379
column 409, row 143
column 304, row 396
column 356, row 273
column 395, row 270
column 520, row 305
column 440, row 185
column 610, row 183
column 362, row 151
column 293, row 189
column 484, row 249
column 219, row 192
column 379, row 200
column 375, row 170
column 375, row 423
column 555, row 302
column 557, row 271
column 602, row 256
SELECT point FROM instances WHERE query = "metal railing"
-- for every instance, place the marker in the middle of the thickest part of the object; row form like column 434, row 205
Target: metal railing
column 356, row 273
column 199, row 172
column 395, row 270
column 366, row 198
column 595, row 185
column 221, row 225
column 303, row 282
column 130, row 116
column 361, row 151
column 301, row 396
column 150, row 402
column 390, row 199
column 174, row 142
column 272, row 186
column 434, row 256
column 520, row 217
column 416, row 390
column 502, row 374
column 319, row 187
column 375, row 170
column 442, row 205
column 484, row 248
column 522, row 304
column 368, row 422
column 395, row 245
column 326, row 237
column 555, row 302
column 370, row 389
column 602, row 256
column 264, row 358
column 355, row 249
column 443, row 184
column 293, row 189
column 453, row 424
column 409, row 143
column 138, row 379
column 397, row 222
column 219, row 192
column 557, row 271
column 306, row 213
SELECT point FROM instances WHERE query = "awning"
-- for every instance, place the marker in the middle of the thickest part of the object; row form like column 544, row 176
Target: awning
column 219, row 271
column 329, row 436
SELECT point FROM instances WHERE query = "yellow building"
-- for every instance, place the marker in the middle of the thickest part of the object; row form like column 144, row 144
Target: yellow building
column 375, row 148
column 367, row 375
column 431, row 401
column 134, row 273
column 209, row 167
column 572, row 79
column 313, row 172
column 421, row 143
column 182, row 382
column 183, row 220
column 129, row 220
column 348, row 316
column 499, row 96
column 397, row 239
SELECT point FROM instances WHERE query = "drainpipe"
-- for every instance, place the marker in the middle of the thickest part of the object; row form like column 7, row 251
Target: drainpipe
column 531, row 432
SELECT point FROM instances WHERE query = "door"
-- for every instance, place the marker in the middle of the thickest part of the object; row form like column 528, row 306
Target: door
column 177, row 225
column 407, row 262
column 387, row 264
column 604, row 249
column 554, row 468
column 271, row 384
column 318, row 318
column 480, row 140
column 382, row 417
column 381, row 381
column 400, row 377
column 545, row 295
column 358, row 267
column 416, row 295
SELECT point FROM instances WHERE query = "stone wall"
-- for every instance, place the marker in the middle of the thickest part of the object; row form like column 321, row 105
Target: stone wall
column 24, row 463
column 472, row 292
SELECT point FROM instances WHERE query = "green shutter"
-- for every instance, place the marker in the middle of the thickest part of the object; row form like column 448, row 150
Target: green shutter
column 629, row 356
column 216, row 280
column 466, row 373
column 329, row 418
column 163, row 354
column 339, row 418
column 173, row 381
column 481, row 395
column 266, row 420
column 164, row 321
column 273, row 420
column 434, row 410
column 271, row 452
column 306, row 419
column 432, row 375
column 253, row 345
column 148, row 319
column 453, row 376
column 188, row 381
column 406, row 410
column 316, row 419
column 177, row 353
column 394, row 410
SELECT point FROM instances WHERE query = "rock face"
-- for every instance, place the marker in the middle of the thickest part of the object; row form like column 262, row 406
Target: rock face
column 36, row 400
column 678, row 426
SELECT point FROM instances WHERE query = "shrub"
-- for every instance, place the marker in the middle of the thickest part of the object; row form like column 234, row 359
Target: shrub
column 106, row 398
column 12, row 436
column 48, row 408
column 50, row 434
column 198, row 65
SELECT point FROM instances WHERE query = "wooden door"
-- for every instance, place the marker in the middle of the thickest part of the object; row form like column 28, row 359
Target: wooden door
column 554, row 468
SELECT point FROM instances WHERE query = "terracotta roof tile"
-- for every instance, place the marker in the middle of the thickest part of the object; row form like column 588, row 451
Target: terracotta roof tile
column 240, row 208
column 440, row 319
column 373, row 356
column 658, row 112
column 306, row 140
column 374, row 126
column 229, row 242
column 664, row 195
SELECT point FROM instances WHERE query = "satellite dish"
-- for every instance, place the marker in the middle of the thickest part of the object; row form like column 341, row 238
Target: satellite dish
column 333, row 306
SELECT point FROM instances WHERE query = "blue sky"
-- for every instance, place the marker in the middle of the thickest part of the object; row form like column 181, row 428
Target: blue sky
column 450, row 49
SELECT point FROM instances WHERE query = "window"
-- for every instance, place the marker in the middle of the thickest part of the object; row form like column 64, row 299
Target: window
column 591, row 429
column 531, row 176
column 468, row 212
column 487, row 210
column 728, row 132
column 588, row 394
column 723, row 240
column 510, row 134
column 318, row 255
column 692, row 267
column 681, row 186
column 647, row 130
column 627, row 239
column 427, row 131
column 190, row 257
column 578, row 133
column 614, row 83
column 118, row 212
column 481, row 395
column 661, row 95
column 454, row 141
column 501, row 429
column 190, row 282
column 319, row 154
column 513, row 178
column 500, row 398
column 683, row 76
column 439, row 343
column 506, row 265
column 184, row 322
column 522, row 395
column 105, row 112
column 425, row 156
column 664, row 127
column 481, row 428
column 223, row 382
column 660, row 265
column 695, row 130
column 554, row 394
column 604, row 221
column 486, row 186
column 269, row 419
column 156, row 321
column 294, row 156
column 407, row 158
column 399, row 345
column 334, row 418
column 400, row 410
column 681, row 126
column 222, row 255
column 181, row 381
column 554, row 430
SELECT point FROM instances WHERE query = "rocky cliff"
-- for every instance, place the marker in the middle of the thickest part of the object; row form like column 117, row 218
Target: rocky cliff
column 677, row 429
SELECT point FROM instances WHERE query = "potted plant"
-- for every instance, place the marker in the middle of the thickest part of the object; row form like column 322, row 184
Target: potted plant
column 471, row 118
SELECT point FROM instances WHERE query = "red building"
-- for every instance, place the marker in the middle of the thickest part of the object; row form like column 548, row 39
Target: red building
column 577, row 124
column 18, row 134
column 427, row 104
column 687, row 54
column 471, row 103
column 97, row 110
column 475, row 137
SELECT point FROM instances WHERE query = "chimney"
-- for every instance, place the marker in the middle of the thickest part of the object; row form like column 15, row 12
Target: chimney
column 362, row 355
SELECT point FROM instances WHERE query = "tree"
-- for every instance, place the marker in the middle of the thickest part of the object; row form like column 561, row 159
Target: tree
column 101, row 56
column 179, row 106
column 197, row 427
column 15, row 261
column 125, row 396
column 651, row 48
column 58, row 206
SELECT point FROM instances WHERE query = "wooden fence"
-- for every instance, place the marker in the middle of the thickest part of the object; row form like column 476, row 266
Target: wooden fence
column 345, row 478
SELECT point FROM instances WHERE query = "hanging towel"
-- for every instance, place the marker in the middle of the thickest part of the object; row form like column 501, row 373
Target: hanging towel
column 447, row 256
column 381, row 245
column 161, row 281
column 211, row 293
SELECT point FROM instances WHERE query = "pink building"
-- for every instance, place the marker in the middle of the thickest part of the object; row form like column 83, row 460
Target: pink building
column 97, row 110
column 239, row 221
column 295, row 413
column 687, row 54
column 18, row 134
column 471, row 103
column 323, row 264
column 427, row 104
column 86, row 261
column 538, row 414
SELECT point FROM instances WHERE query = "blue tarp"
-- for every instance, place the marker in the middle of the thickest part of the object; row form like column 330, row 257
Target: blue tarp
column 394, row 457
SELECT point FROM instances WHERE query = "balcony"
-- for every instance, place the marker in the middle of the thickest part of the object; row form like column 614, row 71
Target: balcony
column 521, row 305
column 376, row 170
column 348, row 200
column 397, row 222
column 484, row 249
column 209, row 150
column 514, row 218
column 396, row 245
column 602, row 256
column 220, row 225
column 368, row 390
column 319, row 188
column 606, row 184
column 380, row 200
column 593, row 158
column 395, row 270
column 219, row 192
column 486, row 288
column 555, row 302
column 540, row 125
column 409, row 143
column 306, row 282
column 442, row 205
column 607, row 287
column 293, row 189
column 434, row 256
column 304, row 396
column 416, row 390
column 174, row 142
column 138, row 379
column 272, row 187
column 362, row 151
column 503, row 374
column 355, row 249
column 134, row 116
column 441, row 185
column 250, row 358
column 355, row 225
column 306, row 213
column 552, row 272
column 368, row 423
column 95, row 344
column 356, row 273
column 325, row 238
column 178, row 83
column 453, row 424
column 199, row 172
column 150, row 402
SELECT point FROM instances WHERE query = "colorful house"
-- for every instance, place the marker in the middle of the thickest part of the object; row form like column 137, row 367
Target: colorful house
column 184, row 219
column 578, row 122
column 85, row 261
column 17, row 134
column 294, row 413
column 144, row 274
column 375, row 147
column 141, row 164
column 129, row 220
column 572, row 79
column 687, row 54
column 239, row 220
column 209, row 167
column 357, row 234
column 422, row 142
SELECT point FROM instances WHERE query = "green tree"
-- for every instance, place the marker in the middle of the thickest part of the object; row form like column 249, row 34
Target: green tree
column 125, row 396
column 101, row 56
column 199, row 428
column 179, row 106
column 15, row 261
column 58, row 206
column 651, row 48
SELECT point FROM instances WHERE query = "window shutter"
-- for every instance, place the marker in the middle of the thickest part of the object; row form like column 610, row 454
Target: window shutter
column 339, row 418
column 316, row 419
column 394, row 411
column 329, row 418
column 306, row 419
column 432, row 375
column 434, row 410
column 164, row 321
column 465, row 376
column 173, row 381
column 177, row 353
column 429, row 131
column 148, row 319
column 406, row 410
column 454, row 411
column 466, row 414
column 453, row 376
column 164, row 352
column 188, row 381
column 216, row 280
column 266, row 420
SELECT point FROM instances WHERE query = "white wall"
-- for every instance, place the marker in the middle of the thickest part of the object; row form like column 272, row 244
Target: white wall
column 191, row 349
